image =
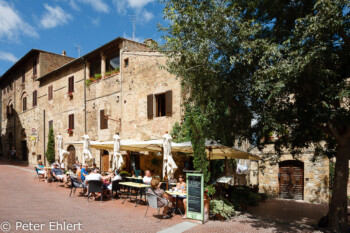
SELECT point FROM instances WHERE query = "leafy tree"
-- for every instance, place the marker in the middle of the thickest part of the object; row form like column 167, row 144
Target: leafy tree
column 50, row 151
column 283, row 63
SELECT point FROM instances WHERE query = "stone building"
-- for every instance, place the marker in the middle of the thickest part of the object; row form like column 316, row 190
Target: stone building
column 131, row 95
column 300, row 178
column 19, row 102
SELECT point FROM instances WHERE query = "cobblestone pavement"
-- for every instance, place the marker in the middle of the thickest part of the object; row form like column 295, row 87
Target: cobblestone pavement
column 22, row 199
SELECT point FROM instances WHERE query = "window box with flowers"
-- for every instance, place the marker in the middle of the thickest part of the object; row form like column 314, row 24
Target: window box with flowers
column 70, row 94
column 70, row 132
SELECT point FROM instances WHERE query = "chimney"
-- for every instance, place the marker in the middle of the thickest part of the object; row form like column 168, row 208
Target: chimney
column 64, row 53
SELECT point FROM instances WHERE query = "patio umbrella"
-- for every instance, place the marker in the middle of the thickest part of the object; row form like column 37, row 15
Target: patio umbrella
column 61, row 152
column 215, row 150
column 117, row 157
column 86, row 148
column 169, row 165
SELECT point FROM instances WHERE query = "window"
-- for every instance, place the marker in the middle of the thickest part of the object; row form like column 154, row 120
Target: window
column 24, row 103
column 35, row 98
column 71, row 121
column 103, row 120
column 159, row 105
column 23, row 76
column 34, row 67
column 50, row 124
column 50, row 92
column 126, row 62
column 112, row 61
column 71, row 84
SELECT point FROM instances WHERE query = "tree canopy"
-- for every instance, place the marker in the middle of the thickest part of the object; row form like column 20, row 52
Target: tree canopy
column 284, row 64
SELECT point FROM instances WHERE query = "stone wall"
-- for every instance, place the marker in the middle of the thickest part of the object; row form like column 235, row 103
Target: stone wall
column 316, row 176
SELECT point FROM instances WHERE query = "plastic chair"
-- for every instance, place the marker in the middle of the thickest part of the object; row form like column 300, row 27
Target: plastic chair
column 115, row 187
column 94, row 186
column 74, row 185
column 37, row 175
column 152, row 200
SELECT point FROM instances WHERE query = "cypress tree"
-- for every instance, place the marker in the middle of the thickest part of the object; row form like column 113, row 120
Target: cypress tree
column 50, row 152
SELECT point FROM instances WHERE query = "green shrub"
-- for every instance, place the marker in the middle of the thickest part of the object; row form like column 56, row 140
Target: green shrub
column 50, row 152
column 88, row 82
column 210, row 189
column 222, row 208
column 253, row 199
column 97, row 76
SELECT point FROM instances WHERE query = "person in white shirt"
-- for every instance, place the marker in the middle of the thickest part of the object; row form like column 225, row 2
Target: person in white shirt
column 113, row 177
column 147, row 178
column 96, row 176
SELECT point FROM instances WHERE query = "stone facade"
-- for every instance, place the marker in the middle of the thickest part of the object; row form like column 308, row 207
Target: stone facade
column 20, row 127
column 122, row 96
column 315, row 172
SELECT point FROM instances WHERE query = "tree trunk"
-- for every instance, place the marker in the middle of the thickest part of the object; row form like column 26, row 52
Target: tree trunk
column 338, row 219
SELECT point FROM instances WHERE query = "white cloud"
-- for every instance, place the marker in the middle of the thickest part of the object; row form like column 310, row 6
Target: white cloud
column 98, row 5
column 11, row 23
column 95, row 21
column 74, row 5
column 147, row 16
column 5, row 56
column 54, row 17
column 136, row 5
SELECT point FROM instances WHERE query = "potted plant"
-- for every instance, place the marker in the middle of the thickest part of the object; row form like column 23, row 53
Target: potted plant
column 70, row 131
column 70, row 94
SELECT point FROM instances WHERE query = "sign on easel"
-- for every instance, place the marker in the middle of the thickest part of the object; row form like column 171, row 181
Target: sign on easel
column 195, row 196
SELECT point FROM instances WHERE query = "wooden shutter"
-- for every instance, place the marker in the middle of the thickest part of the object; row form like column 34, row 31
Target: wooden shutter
column 71, row 84
column 150, row 106
column 71, row 121
column 50, row 94
column 168, row 103
column 35, row 97
column 103, row 120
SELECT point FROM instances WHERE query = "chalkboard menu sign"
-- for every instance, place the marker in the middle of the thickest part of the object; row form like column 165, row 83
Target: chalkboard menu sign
column 195, row 191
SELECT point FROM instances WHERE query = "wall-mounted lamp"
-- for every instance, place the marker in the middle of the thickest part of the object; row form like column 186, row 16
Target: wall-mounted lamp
column 117, row 99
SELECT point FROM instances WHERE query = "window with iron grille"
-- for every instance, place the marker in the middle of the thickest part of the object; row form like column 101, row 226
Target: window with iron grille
column 24, row 103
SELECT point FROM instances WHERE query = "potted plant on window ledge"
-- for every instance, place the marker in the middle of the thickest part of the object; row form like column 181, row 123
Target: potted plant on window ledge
column 70, row 132
column 70, row 94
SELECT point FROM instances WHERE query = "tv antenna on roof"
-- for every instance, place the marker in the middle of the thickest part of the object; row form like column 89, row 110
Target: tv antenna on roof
column 134, row 20
column 78, row 48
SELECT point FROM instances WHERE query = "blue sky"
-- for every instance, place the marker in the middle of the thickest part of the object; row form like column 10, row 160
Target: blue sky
column 57, row 25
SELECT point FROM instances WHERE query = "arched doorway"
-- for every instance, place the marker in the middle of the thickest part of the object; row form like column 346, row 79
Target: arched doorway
column 291, row 179
column 71, row 156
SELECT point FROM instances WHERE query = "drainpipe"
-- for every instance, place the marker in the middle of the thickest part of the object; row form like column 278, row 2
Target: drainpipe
column 12, row 118
column 44, row 136
column 85, row 126
column 121, row 86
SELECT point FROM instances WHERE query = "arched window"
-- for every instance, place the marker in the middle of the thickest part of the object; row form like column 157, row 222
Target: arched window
column 24, row 101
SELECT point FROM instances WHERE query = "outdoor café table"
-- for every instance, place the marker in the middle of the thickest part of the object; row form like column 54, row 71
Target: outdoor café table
column 138, row 188
column 176, row 194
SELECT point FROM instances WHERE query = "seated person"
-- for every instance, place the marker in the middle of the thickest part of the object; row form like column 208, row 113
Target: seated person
column 181, row 199
column 147, row 178
column 111, row 177
column 83, row 172
column 40, row 169
column 94, row 166
column 57, row 173
column 156, row 190
column 96, row 176
column 76, row 165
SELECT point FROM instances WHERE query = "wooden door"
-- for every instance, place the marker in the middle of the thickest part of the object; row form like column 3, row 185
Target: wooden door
column 105, row 161
column 71, row 156
column 291, row 179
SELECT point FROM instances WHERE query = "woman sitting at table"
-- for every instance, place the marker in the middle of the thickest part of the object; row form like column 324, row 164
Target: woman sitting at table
column 147, row 178
column 180, row 187
column 161, row 202
column 40, row 169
